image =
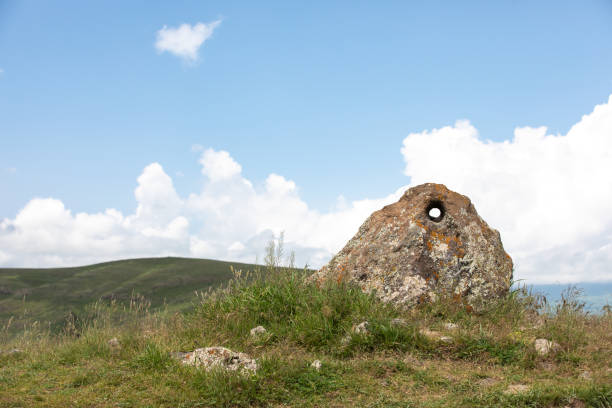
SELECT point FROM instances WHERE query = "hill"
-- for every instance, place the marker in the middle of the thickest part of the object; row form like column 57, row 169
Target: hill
column 47, row 295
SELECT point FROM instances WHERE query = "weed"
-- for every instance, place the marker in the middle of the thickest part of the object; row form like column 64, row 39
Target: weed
column 153, row 358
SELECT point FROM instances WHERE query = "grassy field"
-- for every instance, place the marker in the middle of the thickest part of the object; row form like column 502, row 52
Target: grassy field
column 48, row 295
column 391, row 365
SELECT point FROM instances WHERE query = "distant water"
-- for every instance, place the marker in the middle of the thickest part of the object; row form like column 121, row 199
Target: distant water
column 595, row 295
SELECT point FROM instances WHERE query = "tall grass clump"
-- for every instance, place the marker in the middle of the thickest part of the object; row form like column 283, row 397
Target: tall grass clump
column 291, row 308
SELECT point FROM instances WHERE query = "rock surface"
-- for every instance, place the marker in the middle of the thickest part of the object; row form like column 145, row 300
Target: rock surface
column 431, row 242
column 221, row 357
column 361, row 328
column 544, row 346
column 258, row 331
column 451, row 326
column 516, row 389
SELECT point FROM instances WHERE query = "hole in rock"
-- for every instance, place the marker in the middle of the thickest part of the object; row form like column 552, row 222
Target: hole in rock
column 435, row 211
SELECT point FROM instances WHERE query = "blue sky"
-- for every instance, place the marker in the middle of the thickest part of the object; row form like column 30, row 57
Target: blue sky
column 323, row 95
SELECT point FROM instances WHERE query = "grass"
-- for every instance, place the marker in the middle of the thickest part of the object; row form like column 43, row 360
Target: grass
column 392, row 365
column 49, row 295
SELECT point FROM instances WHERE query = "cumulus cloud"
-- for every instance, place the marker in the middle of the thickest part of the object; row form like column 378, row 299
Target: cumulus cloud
column 228, row 219
column 218, row 166
column 185, row 40
column 547, row 194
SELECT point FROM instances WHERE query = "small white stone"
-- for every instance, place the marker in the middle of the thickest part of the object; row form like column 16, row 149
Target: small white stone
column 544, row 346
column 258, row 331
column 361, row 328
column 487, row 382
column 451, row 326
column 221, row 357
column 316, row 365
column 114, row 343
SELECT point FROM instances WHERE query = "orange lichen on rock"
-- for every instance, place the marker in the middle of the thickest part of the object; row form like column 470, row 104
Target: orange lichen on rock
column 406, row 253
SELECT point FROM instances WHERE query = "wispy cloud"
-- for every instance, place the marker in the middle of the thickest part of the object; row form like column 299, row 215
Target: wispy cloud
column 185, row 40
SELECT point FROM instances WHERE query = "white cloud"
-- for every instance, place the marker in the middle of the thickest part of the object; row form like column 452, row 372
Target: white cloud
column 547, row 194
column 219, row 166
column 228, row 219
column 185, row 40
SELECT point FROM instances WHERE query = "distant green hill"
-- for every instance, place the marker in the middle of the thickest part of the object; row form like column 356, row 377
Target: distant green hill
column 52, row 293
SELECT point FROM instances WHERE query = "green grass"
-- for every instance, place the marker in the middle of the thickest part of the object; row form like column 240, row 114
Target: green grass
column 389, row 366
column 48, row 295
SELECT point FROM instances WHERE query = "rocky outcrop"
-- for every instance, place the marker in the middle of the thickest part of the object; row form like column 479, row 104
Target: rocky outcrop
column 431, row 242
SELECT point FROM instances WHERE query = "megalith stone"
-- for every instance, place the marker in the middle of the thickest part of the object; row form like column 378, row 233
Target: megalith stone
column 430, row 243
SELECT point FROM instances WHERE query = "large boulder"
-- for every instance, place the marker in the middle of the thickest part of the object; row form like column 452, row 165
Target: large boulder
column 431, row 242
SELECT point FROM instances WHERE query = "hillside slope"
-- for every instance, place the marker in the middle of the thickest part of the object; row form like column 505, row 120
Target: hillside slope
column 51, row 293
column 318, row 346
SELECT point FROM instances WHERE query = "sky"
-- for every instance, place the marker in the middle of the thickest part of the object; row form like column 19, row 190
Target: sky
column 205, row 129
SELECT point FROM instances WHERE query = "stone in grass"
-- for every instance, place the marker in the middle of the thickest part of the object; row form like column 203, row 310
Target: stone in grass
column 114, row 344
column 430, row 243
column 544, row 346
column 316, row 365
column 487, row 382
column 361, row 328
column 258, row 331
column 451, row 326
column 219, row 357
column 516, row 389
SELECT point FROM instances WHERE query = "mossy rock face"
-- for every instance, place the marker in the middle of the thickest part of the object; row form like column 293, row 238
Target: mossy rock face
column 430, row 243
